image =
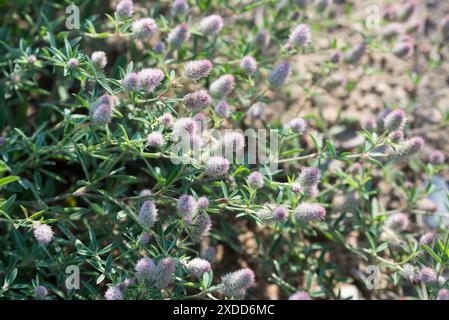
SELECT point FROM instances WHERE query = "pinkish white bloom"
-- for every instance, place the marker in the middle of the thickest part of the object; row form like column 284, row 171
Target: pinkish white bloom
column 144, row 28
column 150, row 78
column 195, row 70
column 99, row 59
column 43, row 233
column 211, row 25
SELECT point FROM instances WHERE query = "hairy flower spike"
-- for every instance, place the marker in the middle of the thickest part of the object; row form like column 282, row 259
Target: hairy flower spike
column 124, row 9
column 211, row 25
column 167, row 119
column 195, row 70
column 179, row 7
column 144, row 28
column 131, row 82
column 187, row 206
column 150, row 78
column 40, row 292
column 197, row 267
column 298, row 125
column 99, row 59
column 443, row 294
column 164, row 272
column 178, row 36
column 155, row 139
column 236, row 283
column 43, row 233
column 427, row 275
column 222, row 86
column 184, row 126
column 410, row 273
column 280, row 214
column 145, row 269
column 222, row 109
column 114, row 293
column 248, row 64
column 148, row 214
column 102, row 115
column 300, row 36
column 408, row 149
column 217, row 167
column 203, row 203
column 395, row 120
column 197, row 100
column 257, row 110
column 309, row 180
column 353, row 55
column 255, row 180
column 73, row 63
column 262, row 38
column 300, row 295
column 201, row 227
column 280, row 74
column 398, row 221
column 307, row 212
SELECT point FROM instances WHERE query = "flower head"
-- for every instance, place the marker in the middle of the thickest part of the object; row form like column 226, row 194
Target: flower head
column 148, row 214
column 248, row 64
column 150, row 78
column 187, row 205
column 99, row 59
column 300, row 36
column 262, row 38
column 179, row 7
column 309, row 180
column 145, row 269
column 398, row 221
column 167, row 119
column 443, row 294
column 222, row 86
column 73, row 63
column 195, row 70
column 131, row 82
column 201, row 226
column 217, row 167
column 222, row 109
column 279, row 75
column 197, row 100
column 155, row 139
column 159, row 47
column 427, row 275
column 114, row 293
column 236, row 283
column 395, row 120
column 102, row 115
column 300, row 295
column 211, row 25
column 164, row 272
column 178, row 35
column 197, row 267
column 257, row 110
column 307, row 212
column 203, row 203
column 40, row 292
column 255, row 180
column 280, row 213
column 124, row 9
column 43, row 233
column 298, row 125
column 144, row 28
column 184, row 126
column 408, row 149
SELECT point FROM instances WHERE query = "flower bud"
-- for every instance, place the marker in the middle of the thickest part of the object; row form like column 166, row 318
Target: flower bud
column 203, row 203
column 187, row 206
column 279, row 75
column 73, row 63
column 40, row 292
column 102, row 115
column 408, row 149
column 300, row 36
column 298, row 125
column 307, row 212
column 437, row 157
column 395, row 120
column 398, row 221
column 114, row 293
column 309, row 180
column 99, row 59
column 201, row 227
column 280, row 214
column 179, row 7
column 443, row 294
column 427, row 275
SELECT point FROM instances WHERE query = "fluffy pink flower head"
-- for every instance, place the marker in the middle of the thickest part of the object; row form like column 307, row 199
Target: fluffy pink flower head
column 300, row 295
column 164, row 272
column 197, row 69
column 187, row 205
column 124, row 9
column 300, row 36
column 298, row 125
column 280, row 74
column 178, row 36
column 222, row 86
column 280, row 213
column 179, row 7
column 222, row 109
column 99, row 59
column 73, row 63
column 147, row 214
column 197, row 267
column 145, row 269
column 248, row 64
column 395, row 120
column 203, row 203
column 437, row 157
column 236, row 283
column 307, row 212
column 144, row 28
column 114, row 293
column 40, row 292
column 408, row 149
column 197, row 100
column 255, row 180
column 257, row 110
column 217, row 167
column 427, row 275
column 43, row 233
column 185, row 126
column 201, row 227
column 131, row 82
column 211, row 25
column 150, row 78
column 309, row 180
column 443, row 294
column 155, row 139
column 167, row 119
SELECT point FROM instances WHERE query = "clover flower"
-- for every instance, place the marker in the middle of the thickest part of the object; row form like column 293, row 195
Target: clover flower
column 150, row 78
column 167, row 119
column 99, row 59
column 257, row 110
column 147, row 214
column 114, row 293
column 40, row 292
column 203, row 203
column 233, row 141
column 255, row 180
column 201, row 227
column 159, row 47
column 102, row 115
column 43, row 233
column 164, row 272
column 31, row 59
column 222, row 86
column 437, row 157
column 187, row 205
column 427, row 275
column 124, row 9
column 179, row 7
column 222, row 109
column 298, row 125
column 309, row 180
column 404, row 47
column 262, row 38
column 395, row 120
column 280, row 74
column 248, row 64
column 197, row 100
column 300, row 295
column 408, row 149
column 197, row 267
column 397, row 136
column 300, row 36
column 145, row 269
column 428, row 238
column 144, row 238
column 336, row 57
column 211, row 25
column 217, row 167
column 353, row 55
column 144, row 28
column 443, row 294
column 296, row 187
column 178, row 35
column 131, row 82
column 184, row 126
column 155, row 139
column 236, row 283
column 307, row 212
column 73, row 63
column 410, row 273
column 280, row 213
column 197, row 69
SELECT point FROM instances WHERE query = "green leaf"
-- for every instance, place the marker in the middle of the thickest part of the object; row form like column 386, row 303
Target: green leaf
column 7, row 180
